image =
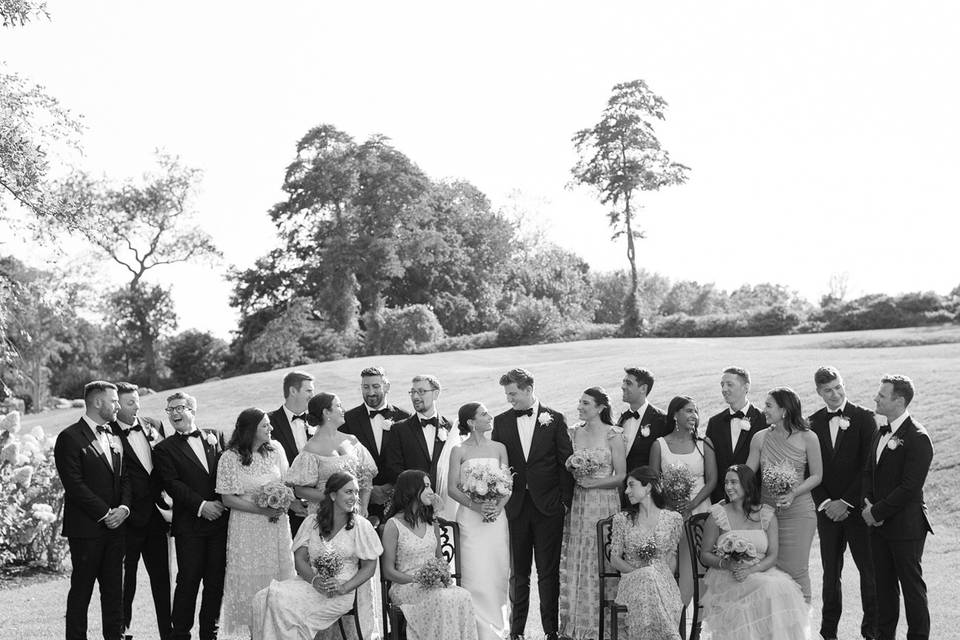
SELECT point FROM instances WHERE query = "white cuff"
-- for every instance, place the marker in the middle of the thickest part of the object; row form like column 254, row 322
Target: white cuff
column 200, row 510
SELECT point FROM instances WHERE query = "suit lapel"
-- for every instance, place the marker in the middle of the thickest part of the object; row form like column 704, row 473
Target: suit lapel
column 95, row 442
column 128, row 448
column 512, row 435
column 187, row 451
column 741, row 440
column 841, row 433
column 539, row 432
column 366, row 436
column 284, row 431
column 209, row 452
column 419, row 437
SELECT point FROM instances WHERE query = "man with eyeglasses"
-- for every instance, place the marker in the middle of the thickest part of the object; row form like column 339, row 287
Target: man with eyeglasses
column 416, row 443
column 187, row 462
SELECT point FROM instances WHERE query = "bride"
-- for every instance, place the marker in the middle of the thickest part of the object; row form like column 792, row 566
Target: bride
column 484, row 541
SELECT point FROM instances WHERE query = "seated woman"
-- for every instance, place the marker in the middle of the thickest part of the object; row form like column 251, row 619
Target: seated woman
column 644, row 550
column 410, row 540
column 300, row 607
column 747, row 597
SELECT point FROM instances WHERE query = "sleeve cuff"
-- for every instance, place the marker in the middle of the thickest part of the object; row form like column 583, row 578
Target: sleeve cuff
column 823, row 505
column 200, row 510
column 125, row 508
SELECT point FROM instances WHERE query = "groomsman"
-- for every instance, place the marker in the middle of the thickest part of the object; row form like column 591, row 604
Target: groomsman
column 894, row 509
column 150, row 514
column 416, row 443
column 91, row 466
column 732, row 429
column 187, row 462
column 290, row 429
column 846, row 433
column 371, row 423
column 642, row 423
column 538, row 446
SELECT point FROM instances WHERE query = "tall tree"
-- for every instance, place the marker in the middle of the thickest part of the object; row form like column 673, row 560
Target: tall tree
column 619, row 156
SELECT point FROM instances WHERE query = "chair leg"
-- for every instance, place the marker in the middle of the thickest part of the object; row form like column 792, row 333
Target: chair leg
column 343, row 632
column 356, row 622
column 614, row 626
column 602, row 607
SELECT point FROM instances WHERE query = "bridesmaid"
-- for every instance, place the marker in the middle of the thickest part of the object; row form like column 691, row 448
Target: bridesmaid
column 788, row 440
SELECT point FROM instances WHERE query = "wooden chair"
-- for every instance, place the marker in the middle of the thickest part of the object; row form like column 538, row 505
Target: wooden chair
column 394, row 625
column 694, row 529
column 356, row 619
column 607, row 602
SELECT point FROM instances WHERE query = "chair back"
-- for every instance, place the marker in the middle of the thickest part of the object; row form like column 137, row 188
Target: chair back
column 694, row 530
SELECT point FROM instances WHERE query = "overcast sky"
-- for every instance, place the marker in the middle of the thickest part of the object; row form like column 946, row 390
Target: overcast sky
column 823, row 137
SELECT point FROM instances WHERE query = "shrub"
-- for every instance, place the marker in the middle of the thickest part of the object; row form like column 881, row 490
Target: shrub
column 529, row 321
column 406, row 329
column 484, row 340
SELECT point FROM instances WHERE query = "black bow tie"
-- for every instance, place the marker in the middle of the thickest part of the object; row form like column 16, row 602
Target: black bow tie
column 737, row 414
column 193, row 434
column 523, row 412
column 885, row 429
column 102, row 428
column 834, row 414
column 299, row 416
column 428, row 421
column 630, row 414
column 379, row 412
column 136, row 427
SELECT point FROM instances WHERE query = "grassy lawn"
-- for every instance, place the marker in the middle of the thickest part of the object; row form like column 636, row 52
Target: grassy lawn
column 930, row 356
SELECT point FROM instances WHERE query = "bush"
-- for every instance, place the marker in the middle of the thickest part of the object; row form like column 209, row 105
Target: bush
column 406, row 329
column 484, row 340
column 194, row 356
column 529, row 321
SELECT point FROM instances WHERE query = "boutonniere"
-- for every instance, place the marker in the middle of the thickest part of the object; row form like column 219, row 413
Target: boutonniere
column 744, row 424
column 386, row 425
column 842, row 422
column 645, row 430
column 311, row 430
column 894, row 443
column 545, row 419
column 150, row 434
column 115, row 446
column 211, row 439
column 442, row 434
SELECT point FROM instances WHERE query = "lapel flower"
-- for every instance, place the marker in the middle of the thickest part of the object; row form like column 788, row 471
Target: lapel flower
column 645, row 431
column 441, row 434
column 545, row 419
column 843, row 422
column 115, row 446
column 386, row 425
column 150, row 434
column 744, row 424
column 211, row 439
column 311, row 430
column 894, row 443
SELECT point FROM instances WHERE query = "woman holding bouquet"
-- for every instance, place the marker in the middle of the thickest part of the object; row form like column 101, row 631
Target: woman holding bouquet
column 412, row 561
column 598, row 466
column 784, row 452
column 747, row 597
column 479, row 480
column 258, row 537
column 335, row 552
column 644, row 550
column 682, row 456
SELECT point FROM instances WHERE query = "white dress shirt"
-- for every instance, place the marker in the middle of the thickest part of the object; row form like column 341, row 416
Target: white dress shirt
column 102, row 438
column 377, row 423
column 736, row 427
column 525, row 427
column 139, row 444
column 631, row 426
column 197, row 445
column 885, row 438
column 429, row 431
column 298, row 427
column 834, row 424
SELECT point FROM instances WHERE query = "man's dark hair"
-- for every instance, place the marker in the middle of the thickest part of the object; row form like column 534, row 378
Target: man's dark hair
column 642, row 376
column 370, row 372
column 95, row 387
column 520, row 377
column 293, row 380
column 739, row 371
column 825, row 375
column 126, row 387
column 902, row 387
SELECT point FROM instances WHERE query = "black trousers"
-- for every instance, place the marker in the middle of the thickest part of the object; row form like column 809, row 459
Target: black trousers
column 897, row 565
column 96, row 560
column 151, row 545
column 834, row 538
column 199, row 559
column 535, row 537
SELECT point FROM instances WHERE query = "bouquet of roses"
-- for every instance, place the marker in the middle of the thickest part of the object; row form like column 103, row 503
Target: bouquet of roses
column 676, row 484
column 780, row 478
column 275, row 495
column 737, row 549
column 327, row 564
column 484, row 484
column 584, row 463
column 435, row 574
column 642, row 553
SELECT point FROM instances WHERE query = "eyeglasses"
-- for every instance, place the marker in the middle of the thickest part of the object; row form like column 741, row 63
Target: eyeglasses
column 421, row 392
column 178, row 409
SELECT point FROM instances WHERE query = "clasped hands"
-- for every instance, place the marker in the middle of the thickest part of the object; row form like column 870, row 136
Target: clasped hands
column 212, row 509
column 331, row 587
column 786, row 499
column 115, row 517
column 740, row 570
column 868, row 515
column 837, row 510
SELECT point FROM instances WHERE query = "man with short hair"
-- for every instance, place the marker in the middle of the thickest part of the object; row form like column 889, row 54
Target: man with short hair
column 894, row 509
column 642, row 423
column 187, row 462
column 150, row 514
column 97, row 498
column 371, row 423
column 290, row 429
column 416, row 443
column 732, row 429
column 845, row 431
column 538, row 446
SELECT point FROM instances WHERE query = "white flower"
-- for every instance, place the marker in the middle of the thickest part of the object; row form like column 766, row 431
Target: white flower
column 211, row 440
column 545, row 419
column 10, row 452
column 43, row 513
column 115, row 446
column 386, row 425
column 645, row 431
column 23, row 476
column 311, row 430
column 744, row 424
column 442, row 434
column 843, row 422
column 11, row 422
column 893, row 443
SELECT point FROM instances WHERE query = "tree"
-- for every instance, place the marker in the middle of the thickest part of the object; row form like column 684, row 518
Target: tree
column 619, row 156
column 15, row 13
column 142, row 227
column 692, row 298
column 555, row 274
column 138, row 316
column 194, row 356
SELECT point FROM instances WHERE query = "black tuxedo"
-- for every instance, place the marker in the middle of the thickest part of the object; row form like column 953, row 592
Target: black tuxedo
column 357, row 424
column 201, row 544
column 92, row 486
column 718, row 431
column 407, row 449
column 843, row 463
column 283, row 433
column 146, row 530
column 894, row 486
column 542, row 487
column 639, row 453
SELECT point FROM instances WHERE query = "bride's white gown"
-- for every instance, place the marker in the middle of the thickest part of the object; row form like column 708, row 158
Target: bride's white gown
column 485, row 563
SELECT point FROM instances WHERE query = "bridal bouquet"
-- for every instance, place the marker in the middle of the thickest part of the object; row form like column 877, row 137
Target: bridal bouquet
column 737, row 549
column 642, row 553
column 585, row 463
column 484, row 484
column 780, row 478
column 327, row 564
column 676, row 484
column 275, row 495
column 435, row 574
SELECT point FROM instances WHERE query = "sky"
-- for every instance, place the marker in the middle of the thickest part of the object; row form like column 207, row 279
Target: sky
column 822, row 137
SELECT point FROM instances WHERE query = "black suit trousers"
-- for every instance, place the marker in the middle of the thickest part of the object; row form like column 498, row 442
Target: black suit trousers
column 535, row 537
column 199, row 559
column 834, row 538
column 96, row 560
column 897, row 565
column 151, row 544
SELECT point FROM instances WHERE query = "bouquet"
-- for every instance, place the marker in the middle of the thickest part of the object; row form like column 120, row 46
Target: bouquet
column 676, row 484
column 737, row 549
column 486, row 485
column 780, row 478
column 584, row 463
column 435, row 574
column 275, row 495
column 327, row 565
column 642, row 553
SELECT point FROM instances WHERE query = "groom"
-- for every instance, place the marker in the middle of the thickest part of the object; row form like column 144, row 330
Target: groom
column 537, row 449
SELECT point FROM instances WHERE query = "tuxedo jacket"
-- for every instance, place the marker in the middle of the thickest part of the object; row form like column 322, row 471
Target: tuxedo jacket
column 407, row 449
column 843, row 463
column 718, row 431
column 189, row 484
column 91, row 486
column 639, row 453
column 357, row 424
column 283, row 433
column 145, row 487
column 894, row 484
column 543, row 473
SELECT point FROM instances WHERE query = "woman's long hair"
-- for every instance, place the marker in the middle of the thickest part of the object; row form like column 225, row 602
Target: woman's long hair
column 787, row 399
column 244, row 432
column 467, row 412
column 599, row 395
column 406, row 498
column 646, row 476
column 338, row 480
column 678, row 403
column 750, row 486
column 317, row 405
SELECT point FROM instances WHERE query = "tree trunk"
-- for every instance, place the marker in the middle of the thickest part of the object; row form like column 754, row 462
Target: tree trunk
column 631, row 317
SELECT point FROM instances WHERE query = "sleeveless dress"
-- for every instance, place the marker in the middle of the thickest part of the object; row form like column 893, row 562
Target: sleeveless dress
column 798, row 522
column 431, row 614
column 649, row 592
column 258, row 551
column 692, row 461
column 294, row 610
column 485, row 562
column 579, row 566
column 766, row 605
